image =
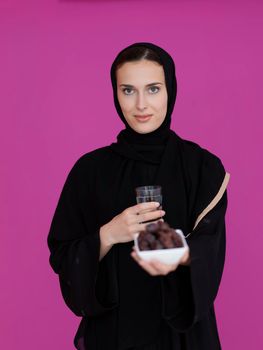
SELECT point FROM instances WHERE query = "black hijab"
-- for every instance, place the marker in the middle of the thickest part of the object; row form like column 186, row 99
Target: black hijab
column 147, row 147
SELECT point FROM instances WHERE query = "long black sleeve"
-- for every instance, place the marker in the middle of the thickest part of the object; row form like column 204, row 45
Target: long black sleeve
column 189, row 292
column 88, row 286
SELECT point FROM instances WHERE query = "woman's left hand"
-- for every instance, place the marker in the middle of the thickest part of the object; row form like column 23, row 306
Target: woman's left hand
column 155, row 267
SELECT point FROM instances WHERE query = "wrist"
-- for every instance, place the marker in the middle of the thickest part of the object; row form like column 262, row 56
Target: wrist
column 105, row 237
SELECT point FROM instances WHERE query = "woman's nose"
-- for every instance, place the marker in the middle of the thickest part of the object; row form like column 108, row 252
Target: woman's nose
column 141, row 102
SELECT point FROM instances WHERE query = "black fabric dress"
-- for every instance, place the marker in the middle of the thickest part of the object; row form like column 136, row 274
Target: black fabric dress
column 103, row 291
column 121, row 305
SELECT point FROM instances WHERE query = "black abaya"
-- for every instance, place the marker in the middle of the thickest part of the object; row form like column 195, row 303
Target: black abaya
column 121, row 305
column 95, row 191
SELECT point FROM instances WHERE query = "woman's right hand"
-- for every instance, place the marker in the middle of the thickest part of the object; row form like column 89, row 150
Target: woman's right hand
column 123, row 227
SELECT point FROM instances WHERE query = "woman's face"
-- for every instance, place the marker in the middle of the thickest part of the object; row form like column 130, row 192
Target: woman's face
column 141, row 92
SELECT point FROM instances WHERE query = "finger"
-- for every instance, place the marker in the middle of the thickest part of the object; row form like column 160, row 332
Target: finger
column 155, row 265
column 147, row 210
column 141, row 220
column 163, row 269
column 147, row 266
column 135, row 256
column 185, row 257
column 143, row 206
column 156, row 214
column 137, row 228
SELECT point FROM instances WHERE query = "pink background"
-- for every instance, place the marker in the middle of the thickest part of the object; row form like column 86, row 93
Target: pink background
column 57, row 104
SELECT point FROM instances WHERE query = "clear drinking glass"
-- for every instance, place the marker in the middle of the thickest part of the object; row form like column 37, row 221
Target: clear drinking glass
column 149, row 194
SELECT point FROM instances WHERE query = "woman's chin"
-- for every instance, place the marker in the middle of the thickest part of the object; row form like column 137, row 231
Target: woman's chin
column 144, row 129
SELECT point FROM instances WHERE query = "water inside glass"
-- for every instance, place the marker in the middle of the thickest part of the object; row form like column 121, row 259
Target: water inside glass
column 149, row 194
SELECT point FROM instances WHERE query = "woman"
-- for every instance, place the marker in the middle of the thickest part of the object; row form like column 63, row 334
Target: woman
column 126, row 303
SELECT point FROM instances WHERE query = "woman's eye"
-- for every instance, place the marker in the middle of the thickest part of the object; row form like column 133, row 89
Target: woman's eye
column 129, row 91
column 156, row 89
column 124, row 90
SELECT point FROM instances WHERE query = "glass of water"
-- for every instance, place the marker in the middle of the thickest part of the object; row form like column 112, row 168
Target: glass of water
column 149, row 194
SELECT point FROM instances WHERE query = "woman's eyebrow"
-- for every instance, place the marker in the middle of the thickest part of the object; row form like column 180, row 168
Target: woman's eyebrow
column 131, row 86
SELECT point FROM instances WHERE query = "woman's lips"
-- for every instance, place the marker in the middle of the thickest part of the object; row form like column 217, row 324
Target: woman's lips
column 144, row 118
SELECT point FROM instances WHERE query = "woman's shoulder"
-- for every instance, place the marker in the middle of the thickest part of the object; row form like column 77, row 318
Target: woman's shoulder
column 86, row 165
column 195, row 154
column 205, row 172
column 92, row 157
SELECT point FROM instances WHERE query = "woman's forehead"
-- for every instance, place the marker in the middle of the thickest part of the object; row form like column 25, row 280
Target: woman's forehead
column 140, row 73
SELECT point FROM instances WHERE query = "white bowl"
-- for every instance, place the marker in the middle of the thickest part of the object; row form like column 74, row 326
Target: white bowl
column 166, row 256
